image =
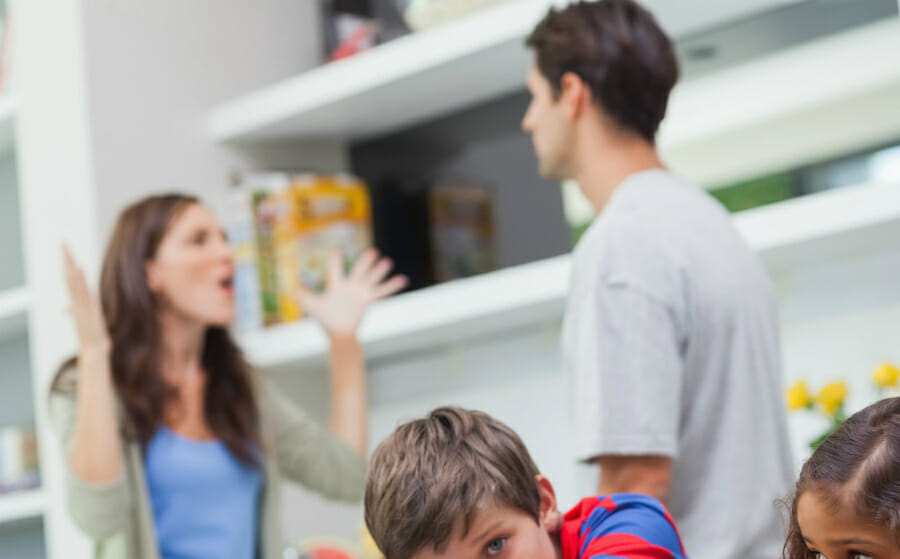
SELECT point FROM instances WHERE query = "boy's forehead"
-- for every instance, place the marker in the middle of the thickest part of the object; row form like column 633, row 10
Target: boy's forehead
column 484, row 523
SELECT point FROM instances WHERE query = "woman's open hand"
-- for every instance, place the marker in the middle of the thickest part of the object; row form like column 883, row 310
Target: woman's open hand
column 85, row 308
column 341, row 306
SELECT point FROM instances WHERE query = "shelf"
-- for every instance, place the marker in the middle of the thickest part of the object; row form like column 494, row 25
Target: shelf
column 7, row 125
column 425, row 75
column 797, row 232
column 14, row 304
column 432, row 316
column 826, row 226
column 21, row 505
column 807, row 103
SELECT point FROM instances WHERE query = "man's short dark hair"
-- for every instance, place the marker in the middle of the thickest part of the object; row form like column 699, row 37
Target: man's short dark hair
column 617, row 48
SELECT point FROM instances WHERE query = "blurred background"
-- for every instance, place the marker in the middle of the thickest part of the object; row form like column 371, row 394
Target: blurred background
column 397, row 123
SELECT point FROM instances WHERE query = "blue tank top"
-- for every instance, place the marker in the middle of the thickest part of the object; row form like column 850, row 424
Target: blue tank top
column 205, row 502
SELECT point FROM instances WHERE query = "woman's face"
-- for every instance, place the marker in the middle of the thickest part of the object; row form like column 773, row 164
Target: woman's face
column 839, row 533
column 192, row 272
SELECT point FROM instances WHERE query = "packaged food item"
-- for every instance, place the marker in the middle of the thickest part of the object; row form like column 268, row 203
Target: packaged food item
column 462, row 230
column 242, row 237
column 269, row 206
column 283, row 228
column 349, row 27
column 332, row 213
column 285, row 232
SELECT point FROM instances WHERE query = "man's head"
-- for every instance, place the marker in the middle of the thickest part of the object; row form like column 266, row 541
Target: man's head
column 459, row 484
column 606, row 60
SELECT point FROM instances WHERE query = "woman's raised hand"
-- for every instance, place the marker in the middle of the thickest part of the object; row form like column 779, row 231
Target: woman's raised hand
column 341, row 306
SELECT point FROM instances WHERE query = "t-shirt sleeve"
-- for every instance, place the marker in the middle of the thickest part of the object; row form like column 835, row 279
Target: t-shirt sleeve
column 634, row 530
column 627, row 369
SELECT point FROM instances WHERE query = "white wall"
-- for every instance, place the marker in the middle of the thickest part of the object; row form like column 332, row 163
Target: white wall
column 156, row 68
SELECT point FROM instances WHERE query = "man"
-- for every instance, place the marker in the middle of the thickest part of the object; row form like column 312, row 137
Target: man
column 671, row 330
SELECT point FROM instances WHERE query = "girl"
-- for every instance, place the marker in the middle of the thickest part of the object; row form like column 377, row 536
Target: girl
column 847, row 501
column 173, row 446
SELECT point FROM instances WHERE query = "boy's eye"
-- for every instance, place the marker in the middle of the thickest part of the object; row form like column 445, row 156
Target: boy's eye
column 496, row 546
column 199, row 238
column 858, row 555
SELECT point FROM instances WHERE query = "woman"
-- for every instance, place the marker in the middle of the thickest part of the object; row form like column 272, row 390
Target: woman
column 174, row 447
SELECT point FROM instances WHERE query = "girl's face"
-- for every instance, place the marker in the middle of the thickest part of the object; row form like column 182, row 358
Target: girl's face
column 838, row 533
column 192, row 272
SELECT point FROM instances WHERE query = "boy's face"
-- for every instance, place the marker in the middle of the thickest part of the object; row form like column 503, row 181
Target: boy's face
column 506, row 533
column 549, row 122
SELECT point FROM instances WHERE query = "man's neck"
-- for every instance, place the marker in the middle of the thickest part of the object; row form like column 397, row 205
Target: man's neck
column 603, row 166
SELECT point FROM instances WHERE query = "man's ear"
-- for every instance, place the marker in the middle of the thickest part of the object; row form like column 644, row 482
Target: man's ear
column 550, row 517
column 574, row 94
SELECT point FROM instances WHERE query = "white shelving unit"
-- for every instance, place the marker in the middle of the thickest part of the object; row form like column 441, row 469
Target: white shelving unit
column 22, row 505
column 22, row 511
column 796, row 232
column 423, row 76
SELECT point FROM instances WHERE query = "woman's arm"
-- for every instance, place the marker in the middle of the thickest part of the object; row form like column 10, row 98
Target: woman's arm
column 306, row 452
column 340, row 310
column 84, row 417
column 349, row 408
column 95, row 454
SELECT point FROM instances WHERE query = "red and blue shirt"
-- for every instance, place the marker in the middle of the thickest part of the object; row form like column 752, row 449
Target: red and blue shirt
column 622, row 526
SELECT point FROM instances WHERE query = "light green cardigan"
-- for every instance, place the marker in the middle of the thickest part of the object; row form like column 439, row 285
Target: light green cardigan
column 118, row 517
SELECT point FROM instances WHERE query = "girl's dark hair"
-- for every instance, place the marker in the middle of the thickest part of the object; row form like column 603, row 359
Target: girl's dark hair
column 617, row 48
column 130, row 310
column 858, row 466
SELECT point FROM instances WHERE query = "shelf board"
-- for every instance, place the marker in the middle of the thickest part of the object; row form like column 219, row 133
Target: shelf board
column 7, row 124
column 425, row 75
column 432, row 316
column 829, row 225
column 14, row 305
column 807, row 103
column 805, row 230
column 22, row 505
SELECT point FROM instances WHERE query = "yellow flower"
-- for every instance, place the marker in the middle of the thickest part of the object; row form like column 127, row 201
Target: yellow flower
column 798, row 396
column 832, row 396
column 886, row 375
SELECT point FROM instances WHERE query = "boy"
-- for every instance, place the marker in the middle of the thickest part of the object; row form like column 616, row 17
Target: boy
column 460, row 484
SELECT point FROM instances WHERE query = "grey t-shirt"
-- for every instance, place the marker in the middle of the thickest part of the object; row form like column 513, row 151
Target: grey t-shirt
column 671, row 336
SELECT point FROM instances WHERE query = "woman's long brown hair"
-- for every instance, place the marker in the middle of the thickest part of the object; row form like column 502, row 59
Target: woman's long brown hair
column 130, row 310
column 858, row 466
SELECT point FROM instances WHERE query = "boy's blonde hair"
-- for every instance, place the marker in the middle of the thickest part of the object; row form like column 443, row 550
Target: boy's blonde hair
column 433, row 475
